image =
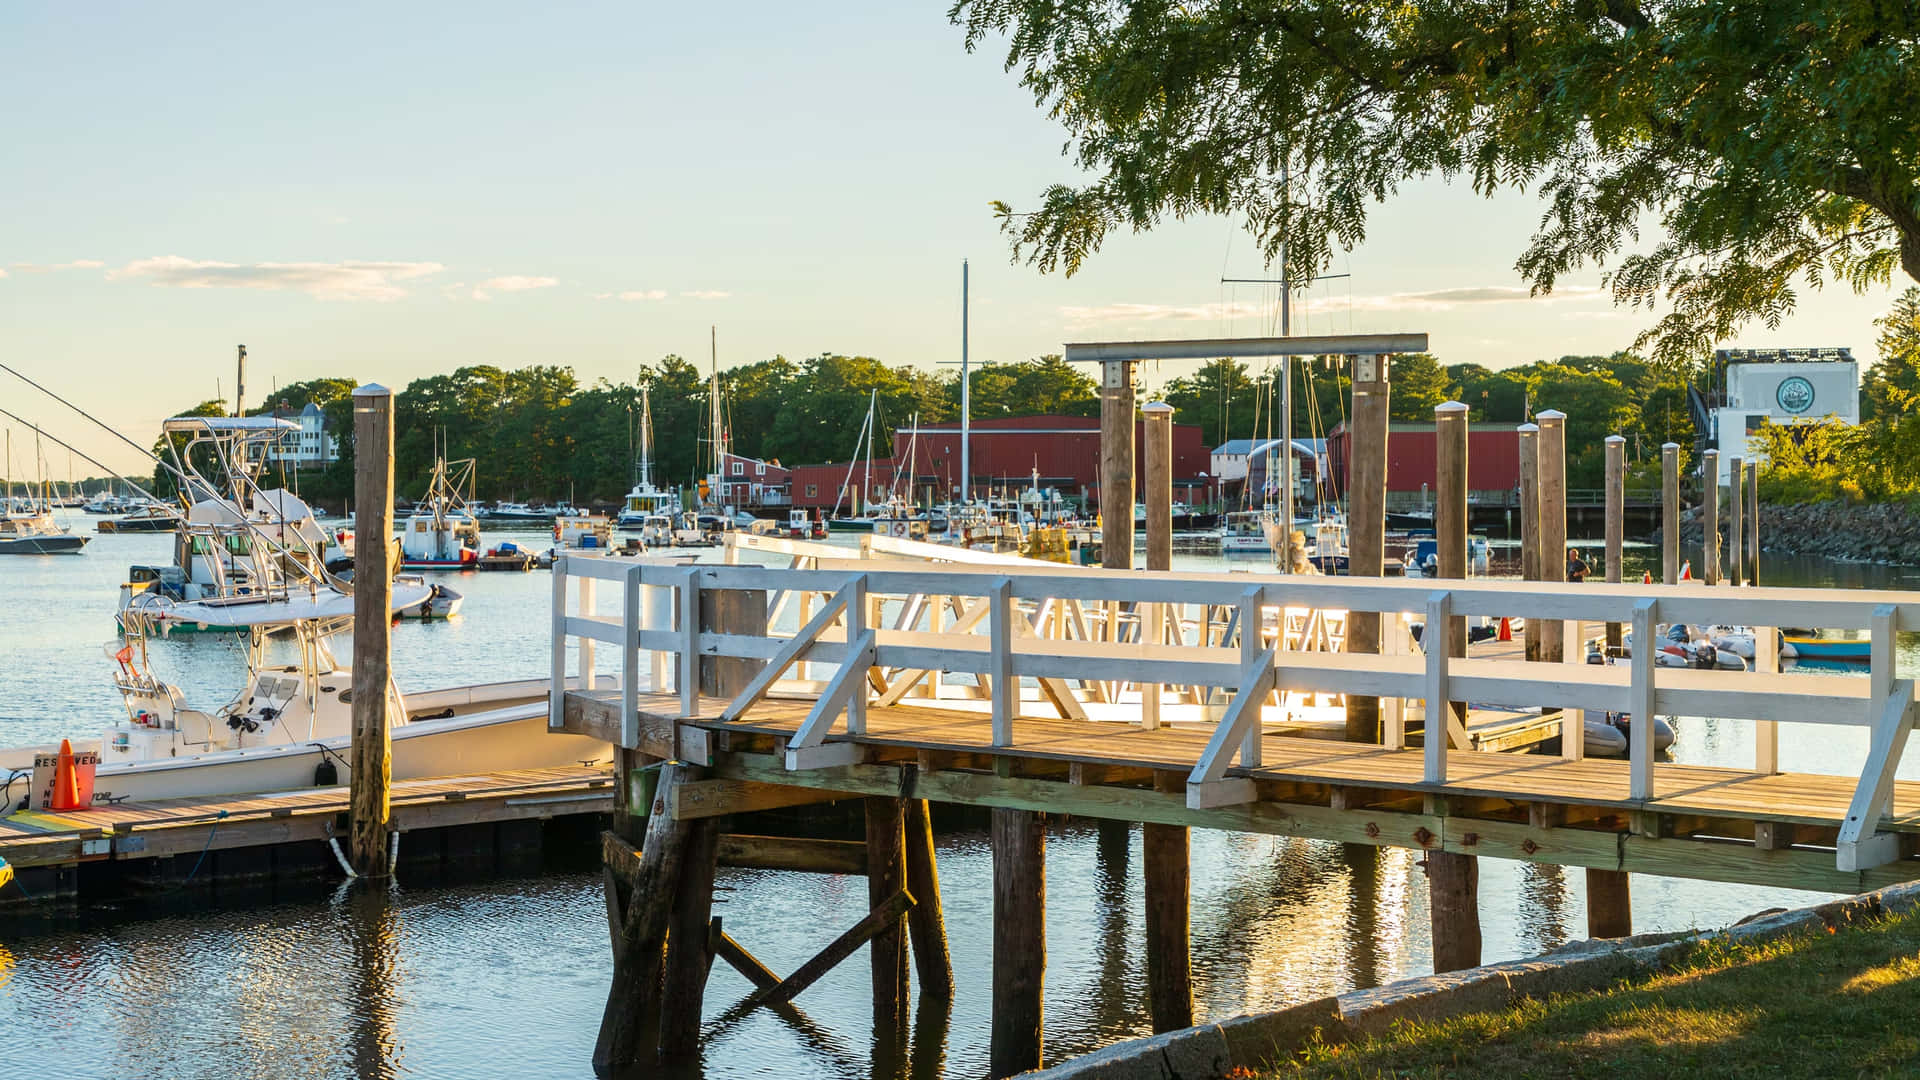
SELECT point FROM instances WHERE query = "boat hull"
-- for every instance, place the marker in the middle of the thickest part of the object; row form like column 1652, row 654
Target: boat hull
column 504, row 728
column 52, row 544
column 1831, row 649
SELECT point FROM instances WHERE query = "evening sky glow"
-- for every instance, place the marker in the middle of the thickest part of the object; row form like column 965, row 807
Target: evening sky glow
column 385, row 193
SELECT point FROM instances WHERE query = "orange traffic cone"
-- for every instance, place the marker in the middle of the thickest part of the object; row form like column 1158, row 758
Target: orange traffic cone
column 66, row 783
column 1686, row 570
column 1506, row 628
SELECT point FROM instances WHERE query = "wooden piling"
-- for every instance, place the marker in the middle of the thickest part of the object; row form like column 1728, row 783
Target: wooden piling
column 1454, row 908
column 1710, row 517
column 1553, row 520
column 1616, row 518
column 372, row 748
column 1529, row 435
column 886, row 875
column 627, row 1026
column 1165, row 848
column 1116, row 464
column 1019, row 938
column 1167, row 867
column 731, row 611
column 1609, row 904
column 689, row 944
column 926, row 921
column 1753, row 523
column 1366, row 522
column 1670, row 513
column 1736, row 523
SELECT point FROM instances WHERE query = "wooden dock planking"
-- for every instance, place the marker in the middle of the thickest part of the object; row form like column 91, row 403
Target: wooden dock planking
column 1697, row 790
column 172, row 826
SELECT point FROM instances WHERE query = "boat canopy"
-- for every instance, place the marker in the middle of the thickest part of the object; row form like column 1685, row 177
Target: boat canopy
column 190, row 424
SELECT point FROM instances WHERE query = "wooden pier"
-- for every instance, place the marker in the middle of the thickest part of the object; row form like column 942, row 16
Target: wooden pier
column 1002, row 684
column 50, row 850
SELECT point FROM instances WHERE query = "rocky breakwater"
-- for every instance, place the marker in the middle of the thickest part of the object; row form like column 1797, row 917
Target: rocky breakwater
column 1859, row 532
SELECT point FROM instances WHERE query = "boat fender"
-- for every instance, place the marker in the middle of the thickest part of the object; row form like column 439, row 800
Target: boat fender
column 325, row 775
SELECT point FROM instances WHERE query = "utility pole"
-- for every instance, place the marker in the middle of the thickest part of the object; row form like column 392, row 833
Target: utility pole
column 966, row 398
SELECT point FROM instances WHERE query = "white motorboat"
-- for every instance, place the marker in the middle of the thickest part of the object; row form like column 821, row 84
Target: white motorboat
column 645, row 501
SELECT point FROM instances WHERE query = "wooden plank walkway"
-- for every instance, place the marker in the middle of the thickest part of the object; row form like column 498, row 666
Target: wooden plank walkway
column 172, row 826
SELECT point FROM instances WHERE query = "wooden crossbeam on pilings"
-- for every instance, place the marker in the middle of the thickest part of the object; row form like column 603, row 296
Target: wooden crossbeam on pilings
column 876, row 921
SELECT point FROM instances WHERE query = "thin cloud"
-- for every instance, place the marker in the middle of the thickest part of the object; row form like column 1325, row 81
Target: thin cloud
column 642, row 294
column 707, row 294
column 48, row 268
column 1434, row 300
column 376, row 281
column 511, row 283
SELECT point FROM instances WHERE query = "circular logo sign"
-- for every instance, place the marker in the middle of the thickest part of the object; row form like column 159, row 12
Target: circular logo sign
column 1794, row 394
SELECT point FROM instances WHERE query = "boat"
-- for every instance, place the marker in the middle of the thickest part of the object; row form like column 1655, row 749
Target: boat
column 583, row 531
column 1325, row 538
column 645, row 501
column 1245, row 531
column 289, row 725
column 802, row 525
column 27, row 526
column 1851, row 650
column 441, row 533
column 1423, row 559
column 442, row 602
column 517, row 512
column 151, row 518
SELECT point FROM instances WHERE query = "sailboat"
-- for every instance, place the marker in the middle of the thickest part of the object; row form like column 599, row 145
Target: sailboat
column 857, row 519
column 27, row 526
column 648, row 510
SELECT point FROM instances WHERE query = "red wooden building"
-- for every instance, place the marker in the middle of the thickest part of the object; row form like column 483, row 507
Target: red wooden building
column 1493, row 461
column 748, row 483
column 1064, row 450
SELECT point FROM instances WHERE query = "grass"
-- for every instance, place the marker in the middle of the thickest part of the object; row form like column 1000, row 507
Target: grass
column 1834, row 1005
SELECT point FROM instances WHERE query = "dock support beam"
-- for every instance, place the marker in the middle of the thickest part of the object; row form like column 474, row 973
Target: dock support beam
column 1167, row 869
column 1019, row 936
column 1366, row 522
column 372, row 749
column 1453, row 879
column 1736, row 523
column 926, row 920
column 689, row 951
column 1753, row 523
column 1670, row 513
column 1609, row 906
column 1116, row 464
column 886, row 875
column 627, row 1036
column 1553, row 520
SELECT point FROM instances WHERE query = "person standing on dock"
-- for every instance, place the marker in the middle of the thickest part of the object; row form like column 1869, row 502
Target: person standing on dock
column 1577, row 568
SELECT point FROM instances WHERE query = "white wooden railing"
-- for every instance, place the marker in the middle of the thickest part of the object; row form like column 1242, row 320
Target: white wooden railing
column 886, row 629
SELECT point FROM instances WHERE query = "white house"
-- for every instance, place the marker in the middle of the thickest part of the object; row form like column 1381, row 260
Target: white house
column 1779, row 386
column 309, row 448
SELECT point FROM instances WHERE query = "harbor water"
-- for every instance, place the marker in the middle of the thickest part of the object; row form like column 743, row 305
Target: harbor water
column 508, row 978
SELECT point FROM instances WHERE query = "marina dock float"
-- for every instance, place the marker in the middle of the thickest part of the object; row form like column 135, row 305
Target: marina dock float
column 123, row 832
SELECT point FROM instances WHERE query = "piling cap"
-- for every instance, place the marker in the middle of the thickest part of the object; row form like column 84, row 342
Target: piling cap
column 1549, row 414
column 1157, row 408
column 1669, row 446
column 1448, row 408
column 1611, row 439
column 1528, row 429
column 372, row 389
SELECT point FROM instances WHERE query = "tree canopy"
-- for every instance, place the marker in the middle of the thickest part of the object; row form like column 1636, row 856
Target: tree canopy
column 1772, row 141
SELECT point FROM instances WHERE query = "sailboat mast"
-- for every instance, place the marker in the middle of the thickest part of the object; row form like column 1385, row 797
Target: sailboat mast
column 240, row 384
column 646, row 440
column 966, row 398
column 866, row 486
column 713, row 399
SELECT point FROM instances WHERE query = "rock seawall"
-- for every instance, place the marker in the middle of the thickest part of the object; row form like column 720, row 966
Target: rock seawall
column 1858, row 532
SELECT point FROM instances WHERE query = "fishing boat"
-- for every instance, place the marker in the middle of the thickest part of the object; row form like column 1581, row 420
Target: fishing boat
column 583, row 531
column 442, row 533
column 1245, row 531
column 645, row 501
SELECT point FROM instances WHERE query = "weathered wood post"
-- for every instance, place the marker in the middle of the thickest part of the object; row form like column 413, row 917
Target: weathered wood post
column 1019, row 937
column 1616, row 518
column 1453, row 879
column 1710, row 517
column 1670, row 513
column 372, row 751
column 1609, row 900
column 886, row 875
column 1736, row 523
column 1753, row 523
column 926, row 920
column 1165, row 848
column 1529, row 435
column 633, row 1015
column 1116, row 503
column 1366, row 521
column 1553, row 520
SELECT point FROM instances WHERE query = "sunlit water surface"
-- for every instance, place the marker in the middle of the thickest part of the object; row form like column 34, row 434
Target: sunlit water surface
column 508, row 978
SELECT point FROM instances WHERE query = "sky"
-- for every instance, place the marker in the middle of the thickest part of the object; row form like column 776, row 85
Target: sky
column 387, row 191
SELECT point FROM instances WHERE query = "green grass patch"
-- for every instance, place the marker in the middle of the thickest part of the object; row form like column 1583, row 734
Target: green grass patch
column 1822, row 1005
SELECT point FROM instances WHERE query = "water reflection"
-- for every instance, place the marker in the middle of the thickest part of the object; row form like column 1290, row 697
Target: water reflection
column 372, row 927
